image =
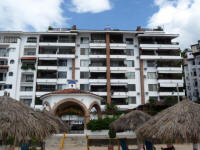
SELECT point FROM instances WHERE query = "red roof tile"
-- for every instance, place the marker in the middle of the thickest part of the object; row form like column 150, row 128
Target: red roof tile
column 70, row 91
column 28, row 58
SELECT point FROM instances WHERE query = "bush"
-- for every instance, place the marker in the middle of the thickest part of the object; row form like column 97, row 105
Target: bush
column 112, row 134
column 100, row 124
column 112, row 109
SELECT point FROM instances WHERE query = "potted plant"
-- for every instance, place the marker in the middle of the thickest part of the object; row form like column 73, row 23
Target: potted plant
column 112, row 134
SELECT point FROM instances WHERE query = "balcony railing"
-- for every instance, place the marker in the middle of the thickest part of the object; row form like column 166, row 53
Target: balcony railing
column 98, row 41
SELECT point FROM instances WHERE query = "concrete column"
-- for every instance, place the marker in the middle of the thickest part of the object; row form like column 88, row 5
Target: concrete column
column 87, row 119
column 108, row 68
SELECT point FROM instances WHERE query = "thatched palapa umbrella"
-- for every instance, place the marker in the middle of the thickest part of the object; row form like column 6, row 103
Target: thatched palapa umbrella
column 21, row 122
column 130, row 121
column 63, row 127
column 179, row 123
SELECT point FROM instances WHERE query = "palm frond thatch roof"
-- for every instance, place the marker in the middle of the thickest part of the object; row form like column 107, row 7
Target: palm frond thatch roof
column 63, row 127
column 130, row 121
column 179, row 123
column 22, row 122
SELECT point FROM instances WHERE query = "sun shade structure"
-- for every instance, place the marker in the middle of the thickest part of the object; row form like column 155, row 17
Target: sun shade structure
column 63, row 127
column 22, row 122
column 179, row 123
column 130, row 121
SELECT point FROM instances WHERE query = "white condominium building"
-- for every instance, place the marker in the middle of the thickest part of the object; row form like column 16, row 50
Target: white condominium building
column 125, row 67
column 192, row 72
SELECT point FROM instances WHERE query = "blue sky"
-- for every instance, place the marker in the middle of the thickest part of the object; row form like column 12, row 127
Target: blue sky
column 175, row 16
column 125, row 14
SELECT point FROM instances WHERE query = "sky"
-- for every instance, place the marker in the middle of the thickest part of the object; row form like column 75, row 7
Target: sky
column 175, row 16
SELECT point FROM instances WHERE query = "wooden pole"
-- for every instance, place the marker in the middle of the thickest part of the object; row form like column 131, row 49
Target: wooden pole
column 87, row 138
column 118, row 142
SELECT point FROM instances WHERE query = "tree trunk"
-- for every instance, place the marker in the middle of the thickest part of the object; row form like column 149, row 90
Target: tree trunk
column 195, row 146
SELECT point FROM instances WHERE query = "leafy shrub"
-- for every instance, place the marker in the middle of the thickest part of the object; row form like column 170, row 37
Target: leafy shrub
column 100, row 124
column 112, row 134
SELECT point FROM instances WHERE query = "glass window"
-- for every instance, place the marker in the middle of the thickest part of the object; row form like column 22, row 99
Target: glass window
column 12, row 61
column 84, row 63
column 153, row 87
column 61, row 86
column 151, row 63
column 130, row 75
column 62, row 62
column 8, row 86
column 131, row 87
column 151, row 75
column 29, row 78
column 130, row 52
column 26, row 101
column 131, row 100
column 84, row 51
column 84, row 87
column 84, row 75
column 3, row 52
column 32, row 40
column 129, row 40
column 129, row 63
column 10, row 73
column 62, row 75
column 10, row 39
column 84, row 40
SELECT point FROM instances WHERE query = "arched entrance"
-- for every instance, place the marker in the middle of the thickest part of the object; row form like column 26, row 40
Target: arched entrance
column 74, row 112
column 95, row 111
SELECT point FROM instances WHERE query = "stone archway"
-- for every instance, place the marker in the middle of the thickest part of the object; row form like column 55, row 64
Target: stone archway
column 75, row 102
column 97, row 107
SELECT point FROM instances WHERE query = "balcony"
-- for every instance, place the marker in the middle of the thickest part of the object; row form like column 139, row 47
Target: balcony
column 156, row 57
column 100, row 44
column 97, row 69
column 172, row 46
column 119, row 95
column 97, row 81
column 119, row 81
column 47, row 80
column 100, row 93
column 170, row 82
column 169, row 69
column 118, row 45
column 53, row 40
column 171, row 93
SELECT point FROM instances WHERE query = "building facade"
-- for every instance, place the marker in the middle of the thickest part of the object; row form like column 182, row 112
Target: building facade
column 192, row 72
column 126, row 68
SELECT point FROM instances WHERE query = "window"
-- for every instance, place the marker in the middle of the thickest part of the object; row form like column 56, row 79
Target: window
column 84, row 40
column 32, row 40
column 8, row 86
column 131, row 87
column 151, row 75
column 84, row 63
column 26, row 101
column 131, row 100
column 62, row 62
column 62, row 75
column 10, row 39
column 12, row 61
column 84, row 87
column 129, row 40
column 153, row 87
column 130, row 52
column 61, row 86
column 10, row 73
column 130, row 75
column 129, row 63
column 29, row 78
column 3, row 52
column 84, row 75
column 29, row 51
column 151, row 63
column 84, row 51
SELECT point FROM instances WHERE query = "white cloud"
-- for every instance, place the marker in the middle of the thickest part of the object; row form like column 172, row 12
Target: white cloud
column 37, row 14
column 92, row 6
column 179, row 16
